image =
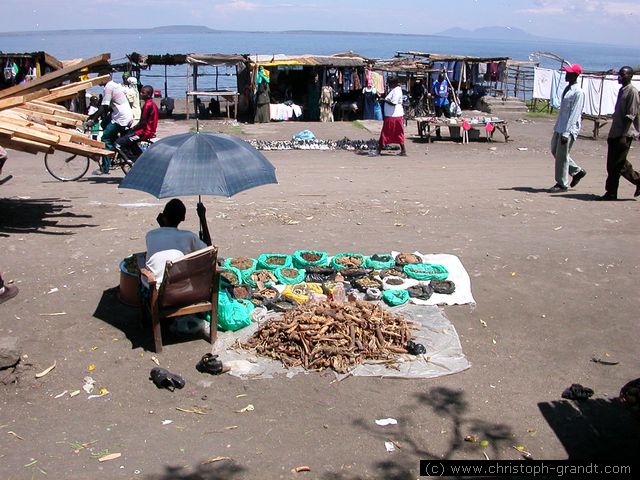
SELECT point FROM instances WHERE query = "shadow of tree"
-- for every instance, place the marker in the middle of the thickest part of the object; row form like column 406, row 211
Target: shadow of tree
column 225, row 470
column 444, row 403
column 597, row 429
column 42, row 215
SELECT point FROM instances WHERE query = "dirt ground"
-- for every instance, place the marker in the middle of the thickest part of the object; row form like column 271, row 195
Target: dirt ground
column 555, row 277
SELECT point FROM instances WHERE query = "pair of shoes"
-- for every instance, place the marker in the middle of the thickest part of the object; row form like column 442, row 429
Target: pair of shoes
column 577, row 177
column 165, row 379
column 97, row 172
column 607, row 197
column 557, row 188
column 209, row 363
column 9, row 292
column 637, row 192
column 577, row 392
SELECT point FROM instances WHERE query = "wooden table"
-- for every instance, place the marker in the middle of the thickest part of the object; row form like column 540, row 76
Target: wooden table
column 226, row 94
column 426, row 123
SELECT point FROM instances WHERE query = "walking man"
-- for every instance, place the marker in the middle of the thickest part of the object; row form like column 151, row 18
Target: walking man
column 393, row 124
column 566, row 131
column 625, row 126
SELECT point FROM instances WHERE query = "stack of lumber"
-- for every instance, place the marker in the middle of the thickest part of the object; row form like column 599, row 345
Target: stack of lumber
column 31, row 120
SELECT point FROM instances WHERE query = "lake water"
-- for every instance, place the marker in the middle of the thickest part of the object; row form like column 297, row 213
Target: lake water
column 74, row 45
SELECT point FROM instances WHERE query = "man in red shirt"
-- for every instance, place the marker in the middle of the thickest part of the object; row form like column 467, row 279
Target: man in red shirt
column 145, row 128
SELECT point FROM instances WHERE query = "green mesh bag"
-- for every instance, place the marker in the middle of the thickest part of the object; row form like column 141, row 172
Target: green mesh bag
column 272, row 261
column 358, row 258
column 233, row 314
column 299, row 260
column 380, row 261
column 288, row 280
column 395, row 297
column 426, row 271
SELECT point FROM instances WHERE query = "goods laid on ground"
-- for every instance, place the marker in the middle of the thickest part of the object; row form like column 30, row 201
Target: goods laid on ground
column 344, row 144
column 333, row 335
column 31, row 120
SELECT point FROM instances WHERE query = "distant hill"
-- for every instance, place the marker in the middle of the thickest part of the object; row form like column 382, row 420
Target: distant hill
column 495, row 33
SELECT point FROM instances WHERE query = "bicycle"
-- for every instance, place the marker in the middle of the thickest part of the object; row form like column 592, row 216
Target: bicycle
column 68, row 167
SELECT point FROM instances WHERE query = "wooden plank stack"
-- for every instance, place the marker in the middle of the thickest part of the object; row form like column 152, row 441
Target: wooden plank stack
column 31, row 120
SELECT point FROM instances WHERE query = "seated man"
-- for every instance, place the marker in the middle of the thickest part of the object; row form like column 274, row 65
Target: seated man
column 145, row 129
column 168, row 243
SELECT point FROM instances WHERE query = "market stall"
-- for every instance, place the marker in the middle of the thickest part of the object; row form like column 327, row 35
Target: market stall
column 465, row 128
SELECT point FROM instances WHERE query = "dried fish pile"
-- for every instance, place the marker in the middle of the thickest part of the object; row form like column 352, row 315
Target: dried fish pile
column 344, row 144
column 332, row 335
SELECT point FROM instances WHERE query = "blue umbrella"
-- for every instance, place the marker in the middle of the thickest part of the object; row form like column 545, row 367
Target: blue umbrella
column 199, row 164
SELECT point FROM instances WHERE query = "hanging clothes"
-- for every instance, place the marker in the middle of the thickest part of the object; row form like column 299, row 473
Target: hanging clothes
column 263, row 99
column 370, row 95
column 357, row 84
column 326, row 104
column 542, row 80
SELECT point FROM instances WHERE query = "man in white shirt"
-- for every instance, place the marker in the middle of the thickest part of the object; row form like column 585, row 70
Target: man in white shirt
column 169, row 243
column 114, row 97
column 566, row 131
column 393, row 126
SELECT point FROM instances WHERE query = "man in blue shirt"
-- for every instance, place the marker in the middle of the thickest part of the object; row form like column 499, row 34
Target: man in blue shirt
column 566, row 131
column 440, row 92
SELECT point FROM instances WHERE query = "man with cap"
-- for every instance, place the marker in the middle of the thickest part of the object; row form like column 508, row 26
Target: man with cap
column 625, row 126
column 566, row 132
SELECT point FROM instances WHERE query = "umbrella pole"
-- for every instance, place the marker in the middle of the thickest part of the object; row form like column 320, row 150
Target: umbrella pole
column 204, row 228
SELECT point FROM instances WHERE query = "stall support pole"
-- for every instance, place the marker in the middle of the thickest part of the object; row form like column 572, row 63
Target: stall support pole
column 186, row 93
column 166, row 91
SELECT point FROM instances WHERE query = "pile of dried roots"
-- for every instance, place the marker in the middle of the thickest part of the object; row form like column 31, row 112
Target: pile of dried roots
column 332, row 335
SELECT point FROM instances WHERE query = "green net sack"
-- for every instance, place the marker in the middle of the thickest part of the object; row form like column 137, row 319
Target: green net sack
column 426, row 271
column 273, row 261
column 395, row 297
column 290, row 276
column 380, row 261
column 230, row 276
column 233, row 314
column 341, row 261
column 246, row 265
column 310, row 258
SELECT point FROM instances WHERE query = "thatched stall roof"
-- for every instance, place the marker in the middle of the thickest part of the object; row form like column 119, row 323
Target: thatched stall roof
column 401, row 65
column 439, row 57
column 339, row 60
column 215, row 59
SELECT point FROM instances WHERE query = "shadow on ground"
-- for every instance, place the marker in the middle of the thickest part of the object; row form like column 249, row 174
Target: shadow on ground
column 444, row 403
column 44, row 215
column 223, row 470
column 597, row 429
column 129, row 320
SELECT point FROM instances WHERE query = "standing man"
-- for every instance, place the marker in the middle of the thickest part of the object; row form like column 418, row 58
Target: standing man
column 145, row 129
column 625, row 126
column 440, row 92
column 115, row 98
column 393, row 125
column 566, row 131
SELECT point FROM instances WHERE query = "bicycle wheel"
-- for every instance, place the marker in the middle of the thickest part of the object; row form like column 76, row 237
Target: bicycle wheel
column 65, row 166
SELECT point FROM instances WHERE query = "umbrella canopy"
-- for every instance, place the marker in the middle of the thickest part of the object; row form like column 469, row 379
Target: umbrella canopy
column 199, row 164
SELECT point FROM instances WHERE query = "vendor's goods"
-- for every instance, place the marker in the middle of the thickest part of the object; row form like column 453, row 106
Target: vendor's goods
column 163, row 378
column 630, row 396
column 347, row 260
column 332, row 335
column 269, row 293
column 290, row 276
column 231, row 276
column 380, row 261
column 415, row 348
column 131, row 265
column 233, row 314
column 307, row 258
column 426, row 271
column 364, row 283
column 446, row 287
column 260, row 278
column 304, row 292
column 392, row 272
column 395, row 297
column 396, row 283
column 282, row 304
column 241, row 263
column 320, row 274
column 271, row 261
column 241, row 292
column 403, row 259
column 350, row 274
column 373, row 294
column 420, row 292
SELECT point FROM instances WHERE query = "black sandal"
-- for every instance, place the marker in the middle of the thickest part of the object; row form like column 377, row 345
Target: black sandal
column 163, row 378
column 577, row 392
column 209, row 363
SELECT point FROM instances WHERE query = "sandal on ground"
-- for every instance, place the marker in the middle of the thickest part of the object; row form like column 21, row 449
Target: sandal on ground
column 165, row 379
column 9, row 292
column 577, row 392
column 209, row 363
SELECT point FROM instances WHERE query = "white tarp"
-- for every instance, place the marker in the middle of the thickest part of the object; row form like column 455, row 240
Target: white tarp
column 444, row 353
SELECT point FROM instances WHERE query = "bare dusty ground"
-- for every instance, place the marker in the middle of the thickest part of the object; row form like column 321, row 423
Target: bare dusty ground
column 555, row 278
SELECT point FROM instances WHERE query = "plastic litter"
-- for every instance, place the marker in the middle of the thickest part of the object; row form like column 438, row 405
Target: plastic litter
column 383, row 422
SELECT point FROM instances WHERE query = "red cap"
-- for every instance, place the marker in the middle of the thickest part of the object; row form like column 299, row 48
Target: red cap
column 575, row 68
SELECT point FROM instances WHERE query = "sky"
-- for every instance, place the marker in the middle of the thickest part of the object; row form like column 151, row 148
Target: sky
column 581, row 20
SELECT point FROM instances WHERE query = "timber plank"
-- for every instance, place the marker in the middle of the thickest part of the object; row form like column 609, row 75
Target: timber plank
column 30, row 133
column 83, row 149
